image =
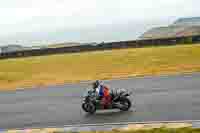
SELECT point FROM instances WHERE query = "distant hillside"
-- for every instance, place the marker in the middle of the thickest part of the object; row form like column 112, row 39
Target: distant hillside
column 69, row 44
column 181, row 28
column 193, row 21
column 12, row 48
column 59, row 45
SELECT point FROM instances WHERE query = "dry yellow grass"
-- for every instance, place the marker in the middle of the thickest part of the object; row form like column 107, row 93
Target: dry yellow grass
column 151, row 130
column 54, row 69
column 130, row 128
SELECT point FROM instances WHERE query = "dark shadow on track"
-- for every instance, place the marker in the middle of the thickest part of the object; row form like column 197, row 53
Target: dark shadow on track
column 109, row 113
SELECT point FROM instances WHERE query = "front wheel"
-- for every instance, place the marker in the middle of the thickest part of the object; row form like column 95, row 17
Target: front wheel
column 125, row 104
column 89, row 107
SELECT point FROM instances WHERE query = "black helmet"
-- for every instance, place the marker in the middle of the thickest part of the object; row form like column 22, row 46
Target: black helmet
column 95, row 84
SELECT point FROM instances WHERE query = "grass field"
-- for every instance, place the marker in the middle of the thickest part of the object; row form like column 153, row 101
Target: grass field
column 54, row 69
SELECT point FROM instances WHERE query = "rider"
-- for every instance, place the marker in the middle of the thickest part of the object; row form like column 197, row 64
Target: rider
column 103, row 93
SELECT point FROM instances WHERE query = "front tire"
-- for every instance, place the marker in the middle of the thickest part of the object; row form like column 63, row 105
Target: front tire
column 84, row 107
column 89, row 108
column 125, row 104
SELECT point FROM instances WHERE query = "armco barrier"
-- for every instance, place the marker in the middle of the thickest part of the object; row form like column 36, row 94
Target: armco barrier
column 103, row 46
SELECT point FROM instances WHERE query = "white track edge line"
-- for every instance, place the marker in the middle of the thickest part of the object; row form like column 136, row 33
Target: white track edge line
column 109, row 124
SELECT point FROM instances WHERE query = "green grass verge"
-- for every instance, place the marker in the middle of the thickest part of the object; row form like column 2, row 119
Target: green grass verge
column 53, row 69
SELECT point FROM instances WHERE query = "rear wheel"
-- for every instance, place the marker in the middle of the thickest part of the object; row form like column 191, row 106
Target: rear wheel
column 125, row 104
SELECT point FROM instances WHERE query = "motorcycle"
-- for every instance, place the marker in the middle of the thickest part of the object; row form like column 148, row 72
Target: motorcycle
column 119, row 100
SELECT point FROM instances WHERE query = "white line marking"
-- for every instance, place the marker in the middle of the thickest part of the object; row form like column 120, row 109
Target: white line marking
column 111, row 124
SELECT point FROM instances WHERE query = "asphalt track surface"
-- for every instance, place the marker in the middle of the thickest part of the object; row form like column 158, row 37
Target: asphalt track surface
column 159, row 98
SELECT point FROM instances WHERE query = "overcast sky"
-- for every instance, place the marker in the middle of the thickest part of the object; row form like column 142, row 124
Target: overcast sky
column 42, row 21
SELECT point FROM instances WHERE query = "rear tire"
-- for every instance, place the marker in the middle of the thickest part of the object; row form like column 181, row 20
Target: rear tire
column 126, row 104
